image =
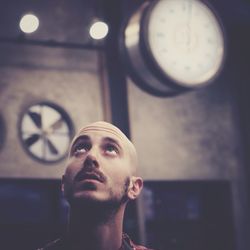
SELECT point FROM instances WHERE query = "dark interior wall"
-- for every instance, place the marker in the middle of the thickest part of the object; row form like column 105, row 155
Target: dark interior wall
column 191, row 138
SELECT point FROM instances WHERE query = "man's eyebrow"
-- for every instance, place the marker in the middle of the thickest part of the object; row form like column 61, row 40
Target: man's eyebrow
column 79, row 138
column 112, row 140
column 82, row 137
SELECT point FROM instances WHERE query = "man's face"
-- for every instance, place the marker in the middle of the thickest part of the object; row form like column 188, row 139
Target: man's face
column 98, row 168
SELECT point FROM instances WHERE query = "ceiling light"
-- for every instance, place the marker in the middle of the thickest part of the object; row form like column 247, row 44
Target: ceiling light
column 29, row 23
column 98, row 30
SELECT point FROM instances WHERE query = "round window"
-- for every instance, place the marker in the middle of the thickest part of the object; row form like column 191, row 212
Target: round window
column 46, row 131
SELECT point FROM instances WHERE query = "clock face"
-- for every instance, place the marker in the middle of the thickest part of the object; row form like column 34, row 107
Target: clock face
column 46, row 131
column 185, row 41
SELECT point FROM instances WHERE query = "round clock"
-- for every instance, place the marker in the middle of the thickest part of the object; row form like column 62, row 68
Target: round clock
column 174, row 45
column 46, row 131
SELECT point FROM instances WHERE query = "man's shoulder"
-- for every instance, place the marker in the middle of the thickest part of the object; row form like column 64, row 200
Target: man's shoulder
column 128, row 244
column 54, row 245
column 132, row 245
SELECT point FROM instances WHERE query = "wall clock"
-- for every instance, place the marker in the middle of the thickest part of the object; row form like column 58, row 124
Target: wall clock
column 174, row 45
column 46, row 131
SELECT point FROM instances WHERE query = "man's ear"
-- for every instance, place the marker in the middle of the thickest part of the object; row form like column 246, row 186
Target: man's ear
column 135, row 187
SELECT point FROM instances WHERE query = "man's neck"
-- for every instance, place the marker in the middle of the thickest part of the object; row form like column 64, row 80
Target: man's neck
column 95, row 231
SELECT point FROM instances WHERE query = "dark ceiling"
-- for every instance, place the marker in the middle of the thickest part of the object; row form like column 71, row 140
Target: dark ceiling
column 60, row 20
column 69, row 21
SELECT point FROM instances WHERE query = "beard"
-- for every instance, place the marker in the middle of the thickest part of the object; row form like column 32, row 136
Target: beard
column 95, row 207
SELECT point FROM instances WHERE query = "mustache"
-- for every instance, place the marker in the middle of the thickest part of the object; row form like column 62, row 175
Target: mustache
column 90, row 174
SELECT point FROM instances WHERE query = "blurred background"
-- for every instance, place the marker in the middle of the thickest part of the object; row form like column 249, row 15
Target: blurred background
column 193, row 143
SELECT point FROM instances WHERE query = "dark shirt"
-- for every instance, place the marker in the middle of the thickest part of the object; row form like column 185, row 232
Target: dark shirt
column 127, row 244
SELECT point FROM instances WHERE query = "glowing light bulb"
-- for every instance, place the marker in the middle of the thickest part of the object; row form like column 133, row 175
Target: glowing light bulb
column 98, row 30
column 29, row 23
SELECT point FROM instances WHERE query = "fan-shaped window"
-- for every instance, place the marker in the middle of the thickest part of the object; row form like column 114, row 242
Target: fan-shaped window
column 46, row 131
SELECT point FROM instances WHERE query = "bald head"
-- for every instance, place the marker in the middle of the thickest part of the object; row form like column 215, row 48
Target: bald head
column 115, row 133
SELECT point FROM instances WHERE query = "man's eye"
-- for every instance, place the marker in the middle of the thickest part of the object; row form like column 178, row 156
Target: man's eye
column 111, row 149
column 81, row 148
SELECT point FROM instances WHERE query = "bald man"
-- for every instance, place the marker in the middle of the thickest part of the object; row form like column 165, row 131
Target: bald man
column 99, row 180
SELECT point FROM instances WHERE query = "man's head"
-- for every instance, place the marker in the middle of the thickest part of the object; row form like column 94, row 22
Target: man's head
column 101, row 167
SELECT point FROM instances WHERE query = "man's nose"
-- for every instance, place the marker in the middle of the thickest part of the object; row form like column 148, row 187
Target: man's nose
column 91, row 161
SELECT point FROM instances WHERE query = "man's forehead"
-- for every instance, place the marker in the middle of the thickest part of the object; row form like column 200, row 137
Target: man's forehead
column 104, row 129
column 90, row 135
column 108, row 130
